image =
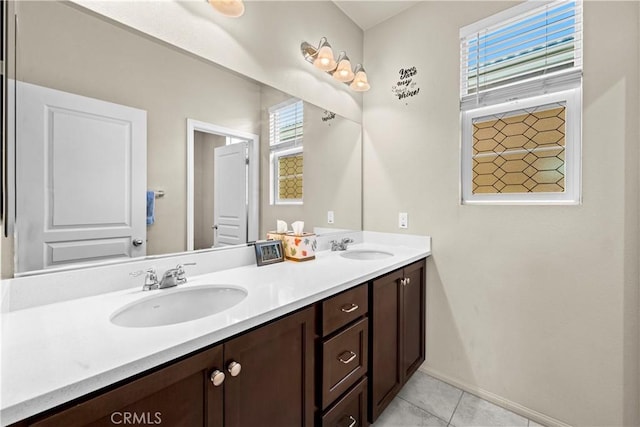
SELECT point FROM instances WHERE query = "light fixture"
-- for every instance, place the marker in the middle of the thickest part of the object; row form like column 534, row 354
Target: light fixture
column 343, row 72
column 230, row 8
column 322, row 58
column 360, row 82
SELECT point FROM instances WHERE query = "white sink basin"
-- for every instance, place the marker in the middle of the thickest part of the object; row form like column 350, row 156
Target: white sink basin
column 168, row 307
column 366, row 254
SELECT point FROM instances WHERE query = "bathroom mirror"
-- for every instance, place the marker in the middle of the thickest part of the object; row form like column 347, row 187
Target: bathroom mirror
column 61, row 46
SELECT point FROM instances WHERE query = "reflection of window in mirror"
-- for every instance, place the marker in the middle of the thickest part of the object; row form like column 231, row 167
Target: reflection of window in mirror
column 286, row 155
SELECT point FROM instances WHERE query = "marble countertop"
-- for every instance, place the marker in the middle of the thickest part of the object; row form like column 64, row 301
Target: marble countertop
column 54, row 353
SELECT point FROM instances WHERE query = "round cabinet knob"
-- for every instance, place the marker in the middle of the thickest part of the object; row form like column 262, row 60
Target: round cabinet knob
column 137, row 242
column 217, row 377
column 234, row 368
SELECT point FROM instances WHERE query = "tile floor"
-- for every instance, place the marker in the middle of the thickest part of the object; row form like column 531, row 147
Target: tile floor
column 427, row 402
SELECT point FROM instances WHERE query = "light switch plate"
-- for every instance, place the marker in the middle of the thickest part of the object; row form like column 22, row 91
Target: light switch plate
column 403, row 220
column 330, row 217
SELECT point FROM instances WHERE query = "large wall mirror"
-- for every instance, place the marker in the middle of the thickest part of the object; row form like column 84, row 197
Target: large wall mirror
column 116, row 130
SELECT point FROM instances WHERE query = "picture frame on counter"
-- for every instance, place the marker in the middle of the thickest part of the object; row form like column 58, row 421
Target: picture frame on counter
column 269, row 252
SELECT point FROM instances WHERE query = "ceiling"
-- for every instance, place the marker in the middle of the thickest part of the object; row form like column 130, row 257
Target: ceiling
column 367, row 14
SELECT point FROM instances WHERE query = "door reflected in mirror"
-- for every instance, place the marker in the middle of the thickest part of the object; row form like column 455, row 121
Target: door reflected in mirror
column 222, row 186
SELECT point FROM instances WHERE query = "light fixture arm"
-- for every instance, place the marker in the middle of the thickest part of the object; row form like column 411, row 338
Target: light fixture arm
column 310, row 52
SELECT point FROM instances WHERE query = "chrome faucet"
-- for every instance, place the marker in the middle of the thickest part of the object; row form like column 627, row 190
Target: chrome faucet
column 342, row 245
column 174, row 276
column 150, row 278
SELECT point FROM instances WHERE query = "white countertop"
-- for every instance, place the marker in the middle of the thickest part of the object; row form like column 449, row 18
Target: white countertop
column 54, row 353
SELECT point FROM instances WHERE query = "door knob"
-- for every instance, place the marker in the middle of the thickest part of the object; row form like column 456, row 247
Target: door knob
column 234, row 368
column 137, row 242
column 217, row 377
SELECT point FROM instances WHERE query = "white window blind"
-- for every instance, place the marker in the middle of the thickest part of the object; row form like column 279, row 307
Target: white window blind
column 286, row 124
column 533, row 46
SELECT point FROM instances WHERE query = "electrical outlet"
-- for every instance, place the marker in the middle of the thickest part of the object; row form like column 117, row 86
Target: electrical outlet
column 330, row 217
column 403, row 220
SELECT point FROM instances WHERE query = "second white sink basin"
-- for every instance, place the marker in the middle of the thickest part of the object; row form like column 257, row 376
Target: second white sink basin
column 366, row 254
column 167, row 307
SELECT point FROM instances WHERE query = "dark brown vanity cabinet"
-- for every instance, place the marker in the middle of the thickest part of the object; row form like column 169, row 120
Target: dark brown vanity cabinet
column 397, row 334
column 180, row 394
column 268, row 381
column 335, row 363
column 276, row 385
column 344, row 359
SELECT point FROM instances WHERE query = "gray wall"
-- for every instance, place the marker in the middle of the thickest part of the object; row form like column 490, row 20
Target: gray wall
column 264, row 44
column 531, row 306
column 204, row 145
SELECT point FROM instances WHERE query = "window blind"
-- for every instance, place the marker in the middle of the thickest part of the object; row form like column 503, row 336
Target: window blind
column 286, row 124
column 543, row 42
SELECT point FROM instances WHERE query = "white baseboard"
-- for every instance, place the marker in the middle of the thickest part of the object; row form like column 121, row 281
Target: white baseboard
column 494, row 398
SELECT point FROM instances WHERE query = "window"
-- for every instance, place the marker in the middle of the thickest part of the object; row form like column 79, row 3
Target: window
column 520, row 98
column 285, row 141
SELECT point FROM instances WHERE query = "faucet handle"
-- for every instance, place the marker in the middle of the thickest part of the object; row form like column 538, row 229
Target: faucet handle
column 150, row 278
column 347, row 240
column 148, row 271
column 181, row 273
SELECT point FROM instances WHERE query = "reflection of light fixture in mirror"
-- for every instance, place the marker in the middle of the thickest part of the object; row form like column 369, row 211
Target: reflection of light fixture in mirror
column 322, row 58
column 360, row 83
column 230, row 8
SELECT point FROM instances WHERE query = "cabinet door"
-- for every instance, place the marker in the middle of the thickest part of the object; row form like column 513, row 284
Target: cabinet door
column 413, row 320
column 275, row 386
column 385, row 373
column 178, row 395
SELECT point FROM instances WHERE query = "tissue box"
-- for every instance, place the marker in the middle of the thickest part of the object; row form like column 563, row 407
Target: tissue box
column 296, row 248
column 274, row 235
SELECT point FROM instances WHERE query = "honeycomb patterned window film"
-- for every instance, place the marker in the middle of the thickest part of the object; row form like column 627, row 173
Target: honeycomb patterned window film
column 521, row 151
column 290, row 177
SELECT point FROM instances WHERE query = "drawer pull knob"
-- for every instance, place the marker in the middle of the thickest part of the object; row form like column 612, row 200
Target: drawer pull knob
column 217, row 377
column 352, row 421
column 408, row 280
column 349, row 308
column 347, row 357
column 234, row 368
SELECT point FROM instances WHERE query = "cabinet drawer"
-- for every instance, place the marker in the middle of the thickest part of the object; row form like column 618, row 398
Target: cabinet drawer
column 351, row 410
column 341, row 309
column 344, row 361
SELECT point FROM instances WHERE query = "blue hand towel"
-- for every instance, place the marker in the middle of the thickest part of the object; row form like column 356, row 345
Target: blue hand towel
column 151, row 207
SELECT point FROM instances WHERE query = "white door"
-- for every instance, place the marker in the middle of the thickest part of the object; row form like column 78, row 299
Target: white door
column 80, row 179
column 230, row 194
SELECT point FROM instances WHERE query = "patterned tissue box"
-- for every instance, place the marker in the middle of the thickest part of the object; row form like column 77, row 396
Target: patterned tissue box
column 296, row 248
